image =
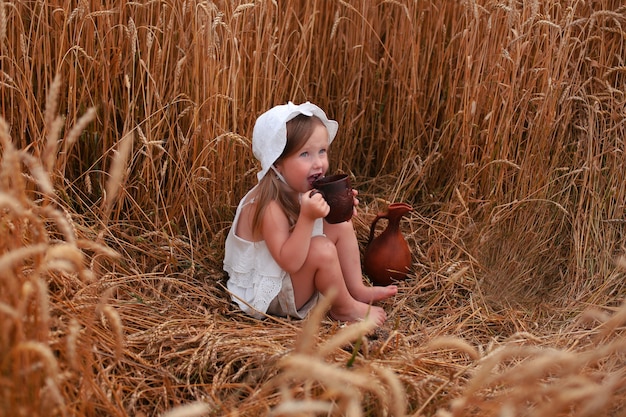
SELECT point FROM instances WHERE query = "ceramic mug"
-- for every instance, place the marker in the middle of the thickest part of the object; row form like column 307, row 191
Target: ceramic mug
column 337, row 192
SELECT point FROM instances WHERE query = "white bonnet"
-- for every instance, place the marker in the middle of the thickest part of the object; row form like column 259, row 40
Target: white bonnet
column 269, row 136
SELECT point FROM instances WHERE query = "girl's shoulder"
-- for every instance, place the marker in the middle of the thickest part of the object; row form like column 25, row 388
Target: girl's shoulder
column 274, row 209
column 274, row 216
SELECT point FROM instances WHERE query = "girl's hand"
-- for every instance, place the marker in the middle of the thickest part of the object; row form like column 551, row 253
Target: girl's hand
column 356, row 202
column 313, row 205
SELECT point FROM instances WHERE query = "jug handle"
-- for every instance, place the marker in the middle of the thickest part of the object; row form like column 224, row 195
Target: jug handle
column 373, row 226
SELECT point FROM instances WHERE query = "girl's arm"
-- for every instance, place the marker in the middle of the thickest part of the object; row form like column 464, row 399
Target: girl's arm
column 290, row 249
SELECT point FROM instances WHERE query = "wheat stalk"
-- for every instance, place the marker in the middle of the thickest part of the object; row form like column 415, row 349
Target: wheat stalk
column 116, row 174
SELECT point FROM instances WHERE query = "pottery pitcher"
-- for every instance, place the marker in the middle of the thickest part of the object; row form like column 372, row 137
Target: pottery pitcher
column 387, row 257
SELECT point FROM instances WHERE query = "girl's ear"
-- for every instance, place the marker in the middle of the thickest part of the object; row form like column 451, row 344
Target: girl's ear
column 279, row 172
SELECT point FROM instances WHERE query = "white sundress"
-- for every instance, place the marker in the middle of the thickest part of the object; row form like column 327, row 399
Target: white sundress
column 254, row 277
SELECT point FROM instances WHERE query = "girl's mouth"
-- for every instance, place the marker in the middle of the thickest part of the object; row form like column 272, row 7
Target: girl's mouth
column 313, row 178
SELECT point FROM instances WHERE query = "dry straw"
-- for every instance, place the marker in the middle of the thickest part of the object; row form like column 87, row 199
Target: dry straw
column 189, row 410
column 342, row 386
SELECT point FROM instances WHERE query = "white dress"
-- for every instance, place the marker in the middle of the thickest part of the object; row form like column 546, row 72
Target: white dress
column 254, row 277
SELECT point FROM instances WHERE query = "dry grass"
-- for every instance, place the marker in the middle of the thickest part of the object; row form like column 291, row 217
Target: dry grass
column 125, row 145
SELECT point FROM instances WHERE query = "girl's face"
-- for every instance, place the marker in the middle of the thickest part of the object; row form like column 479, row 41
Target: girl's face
column 308, row 163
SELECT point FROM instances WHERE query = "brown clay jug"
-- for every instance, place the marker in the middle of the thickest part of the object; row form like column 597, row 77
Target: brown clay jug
column 337, row 192
column 387, row 257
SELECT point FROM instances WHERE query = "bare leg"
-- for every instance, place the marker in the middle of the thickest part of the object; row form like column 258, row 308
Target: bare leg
column 344, row 238
column 322, row 272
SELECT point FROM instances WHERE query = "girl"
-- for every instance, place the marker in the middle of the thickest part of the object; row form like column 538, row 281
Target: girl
column 280, row 254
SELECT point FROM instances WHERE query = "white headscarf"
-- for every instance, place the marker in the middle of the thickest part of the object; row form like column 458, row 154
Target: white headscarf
column 269, row 136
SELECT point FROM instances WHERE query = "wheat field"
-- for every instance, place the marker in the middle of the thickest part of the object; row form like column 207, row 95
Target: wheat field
column 125, row 133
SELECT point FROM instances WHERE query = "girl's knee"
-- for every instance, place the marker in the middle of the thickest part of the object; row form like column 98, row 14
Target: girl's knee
column 336, row 232
column 322, row 249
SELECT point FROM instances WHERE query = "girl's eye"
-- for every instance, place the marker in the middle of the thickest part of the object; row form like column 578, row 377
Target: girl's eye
column 323, row 151
column 304, row 154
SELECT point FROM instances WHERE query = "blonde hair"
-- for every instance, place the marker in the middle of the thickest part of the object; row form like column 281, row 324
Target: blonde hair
column 271, row 188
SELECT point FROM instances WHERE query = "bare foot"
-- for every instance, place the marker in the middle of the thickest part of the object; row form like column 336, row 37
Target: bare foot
column 358, row 311
column 368, row 295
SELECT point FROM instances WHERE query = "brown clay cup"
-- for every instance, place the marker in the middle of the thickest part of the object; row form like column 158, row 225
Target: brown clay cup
column 337, row 192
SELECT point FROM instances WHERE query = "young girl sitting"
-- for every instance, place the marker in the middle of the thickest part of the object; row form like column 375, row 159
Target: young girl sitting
column 280, row 254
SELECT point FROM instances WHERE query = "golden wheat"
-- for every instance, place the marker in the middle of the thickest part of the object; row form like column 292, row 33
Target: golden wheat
column 125, row 146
